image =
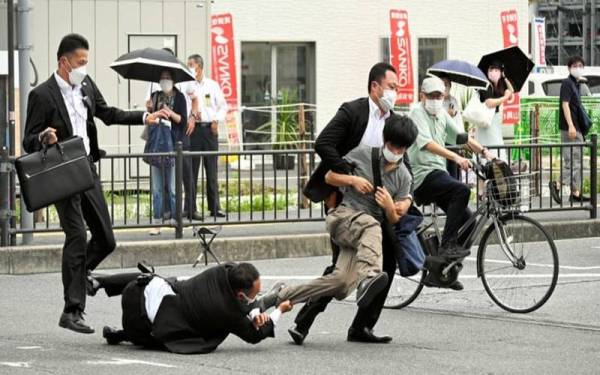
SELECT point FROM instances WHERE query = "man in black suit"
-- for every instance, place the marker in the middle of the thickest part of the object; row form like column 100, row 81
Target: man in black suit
column 65, row 106
column 192, row 315
column 357, row 122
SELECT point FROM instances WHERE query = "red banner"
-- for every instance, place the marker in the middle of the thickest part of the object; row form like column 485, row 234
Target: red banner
column 510, row 33
column 400, row 55
column 224, row 70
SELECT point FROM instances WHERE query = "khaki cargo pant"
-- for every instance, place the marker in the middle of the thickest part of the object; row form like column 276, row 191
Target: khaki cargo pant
column 359, row 237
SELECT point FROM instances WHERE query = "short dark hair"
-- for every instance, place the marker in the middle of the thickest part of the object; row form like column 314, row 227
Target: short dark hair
column 70, row 43
column 242, row 276
column 400, row 131
column 574, row 60
column 169, row 50
column 198, row 59
column 377, row 73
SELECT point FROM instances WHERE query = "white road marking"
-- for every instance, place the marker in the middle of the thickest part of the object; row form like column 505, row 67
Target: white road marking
column 499, row 276
column 28, row 347
column 15, row 364
column 574, row 268
column 124, row 361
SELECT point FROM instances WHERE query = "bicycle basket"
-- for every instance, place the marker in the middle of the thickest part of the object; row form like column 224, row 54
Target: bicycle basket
column 513, row 192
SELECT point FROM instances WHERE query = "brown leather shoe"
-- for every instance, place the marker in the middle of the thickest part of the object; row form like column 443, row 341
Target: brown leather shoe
column 75, row 322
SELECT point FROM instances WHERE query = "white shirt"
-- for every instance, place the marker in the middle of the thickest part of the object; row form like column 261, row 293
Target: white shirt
column 213, row 106
column 373, row 136
column 274, row 315
column 77, row 110
column 154, row 293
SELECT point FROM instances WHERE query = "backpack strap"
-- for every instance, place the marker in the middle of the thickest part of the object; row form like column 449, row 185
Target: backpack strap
column 375, row 166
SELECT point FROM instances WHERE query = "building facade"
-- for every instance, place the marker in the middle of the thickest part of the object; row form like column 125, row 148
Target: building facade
column 312, row 51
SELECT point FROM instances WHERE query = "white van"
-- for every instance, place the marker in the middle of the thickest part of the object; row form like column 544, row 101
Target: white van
column 547, row 82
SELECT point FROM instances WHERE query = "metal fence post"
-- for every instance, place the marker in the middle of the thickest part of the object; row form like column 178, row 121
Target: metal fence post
column 594, row 177
column 178, row 189
column 4, row 198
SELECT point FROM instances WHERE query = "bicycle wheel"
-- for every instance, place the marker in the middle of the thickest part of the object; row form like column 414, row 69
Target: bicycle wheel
column 404, row 290
column 524, row 284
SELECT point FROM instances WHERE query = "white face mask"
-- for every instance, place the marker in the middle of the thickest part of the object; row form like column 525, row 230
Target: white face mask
column 390, row 156
column 388, row 100
column 576, row 72
column 166, row 85
column 77, row 75
column 434, row 106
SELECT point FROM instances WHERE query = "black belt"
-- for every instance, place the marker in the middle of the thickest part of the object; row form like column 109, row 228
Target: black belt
column 203, row 124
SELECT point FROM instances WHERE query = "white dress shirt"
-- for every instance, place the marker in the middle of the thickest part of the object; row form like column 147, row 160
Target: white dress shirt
column 373, row 136
column 154, row 293
column 77, row 110
column 213, row 106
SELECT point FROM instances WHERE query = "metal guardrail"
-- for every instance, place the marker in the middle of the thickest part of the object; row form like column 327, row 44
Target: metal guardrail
column 254, row 190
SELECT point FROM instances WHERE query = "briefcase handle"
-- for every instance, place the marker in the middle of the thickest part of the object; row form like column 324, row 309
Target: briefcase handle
column 45, row 148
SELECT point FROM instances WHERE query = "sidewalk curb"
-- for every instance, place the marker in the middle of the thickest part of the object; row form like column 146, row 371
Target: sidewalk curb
column 48, row 258
column 40, row 259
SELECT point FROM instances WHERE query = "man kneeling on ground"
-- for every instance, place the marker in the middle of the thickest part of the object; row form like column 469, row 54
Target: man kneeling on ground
column 189, row 316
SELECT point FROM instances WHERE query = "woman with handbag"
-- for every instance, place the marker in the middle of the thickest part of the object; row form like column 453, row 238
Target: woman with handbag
column 497, row 94
column 162, row 138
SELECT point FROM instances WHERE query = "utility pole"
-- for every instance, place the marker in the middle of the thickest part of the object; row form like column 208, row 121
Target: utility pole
column 24, row 46
column 10, row 11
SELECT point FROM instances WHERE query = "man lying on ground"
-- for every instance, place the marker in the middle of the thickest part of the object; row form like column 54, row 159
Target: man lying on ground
column 193, row 315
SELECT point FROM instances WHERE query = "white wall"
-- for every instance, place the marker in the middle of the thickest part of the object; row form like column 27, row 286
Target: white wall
column 106, row 24
column 347, row 34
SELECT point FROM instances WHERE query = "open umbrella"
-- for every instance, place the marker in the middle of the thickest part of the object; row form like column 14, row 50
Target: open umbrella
column 517, row 65
column 147, row 64
column 460, row 72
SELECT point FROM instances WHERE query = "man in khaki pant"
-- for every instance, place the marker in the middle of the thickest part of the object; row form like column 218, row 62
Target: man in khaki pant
column 355, row 224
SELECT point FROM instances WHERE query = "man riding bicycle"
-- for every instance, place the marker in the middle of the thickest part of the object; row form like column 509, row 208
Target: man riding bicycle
column 428, row 156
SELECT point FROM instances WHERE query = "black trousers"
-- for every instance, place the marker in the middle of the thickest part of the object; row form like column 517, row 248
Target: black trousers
column 452, row 196
column 80, row 255
column 189, row 186
column 137, row 328
column 202, row 139
column 365, row 317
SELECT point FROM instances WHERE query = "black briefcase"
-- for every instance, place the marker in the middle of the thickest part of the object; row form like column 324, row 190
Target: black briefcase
column 54, row 173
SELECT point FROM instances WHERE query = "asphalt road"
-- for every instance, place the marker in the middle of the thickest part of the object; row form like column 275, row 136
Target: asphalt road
column 442, row 332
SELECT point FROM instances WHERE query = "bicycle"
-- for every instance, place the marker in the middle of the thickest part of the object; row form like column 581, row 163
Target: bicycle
column 516, row 258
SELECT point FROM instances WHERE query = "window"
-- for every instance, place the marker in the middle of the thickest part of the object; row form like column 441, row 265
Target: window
column 431, row 51
column 274, row 74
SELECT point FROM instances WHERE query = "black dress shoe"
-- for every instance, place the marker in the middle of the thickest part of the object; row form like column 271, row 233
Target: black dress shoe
column 112, row 336
column 554, row 191
column 197, row 216
column 457, row 285
column 579, row 198
column 217, row 214
column 91, row 285
column 366, row 335
column 74, row 321
column 369, row 288
column 297, row 335
column 451, row 250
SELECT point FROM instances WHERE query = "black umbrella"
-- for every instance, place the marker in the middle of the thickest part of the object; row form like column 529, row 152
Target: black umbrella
column 147, row 64
column 517, row 65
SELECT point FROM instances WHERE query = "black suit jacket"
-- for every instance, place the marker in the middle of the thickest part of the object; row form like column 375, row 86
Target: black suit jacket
column 202, row 313
column 343, row 133
column 46, row 108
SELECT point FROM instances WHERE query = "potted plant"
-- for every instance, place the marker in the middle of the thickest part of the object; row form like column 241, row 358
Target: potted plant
column 286, row 129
